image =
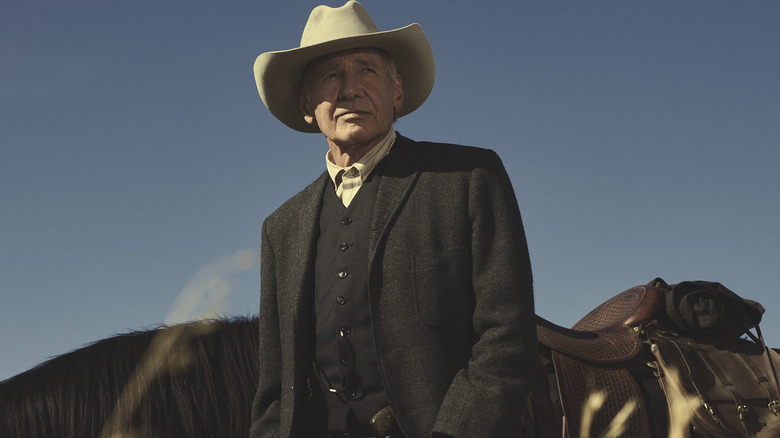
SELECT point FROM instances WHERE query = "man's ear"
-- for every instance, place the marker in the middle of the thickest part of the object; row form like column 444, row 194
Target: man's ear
column 308, row 112
column 398, row 96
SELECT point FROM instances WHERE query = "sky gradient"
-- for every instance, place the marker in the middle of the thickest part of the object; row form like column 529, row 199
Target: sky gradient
column 137, row 161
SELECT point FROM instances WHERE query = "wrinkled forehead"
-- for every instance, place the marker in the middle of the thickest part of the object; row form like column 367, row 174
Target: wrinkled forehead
column 365, row 55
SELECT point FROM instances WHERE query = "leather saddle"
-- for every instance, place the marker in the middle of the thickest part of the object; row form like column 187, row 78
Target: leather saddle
column 609, row 333
column 595, row 356
column 613, row 349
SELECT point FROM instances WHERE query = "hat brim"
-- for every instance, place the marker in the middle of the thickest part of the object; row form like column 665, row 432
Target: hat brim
column 278, row 74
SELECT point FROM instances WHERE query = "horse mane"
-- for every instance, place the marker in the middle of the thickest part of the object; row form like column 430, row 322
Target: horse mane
column 78, row 391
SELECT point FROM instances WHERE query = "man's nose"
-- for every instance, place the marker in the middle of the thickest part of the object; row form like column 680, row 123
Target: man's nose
column 351, row 87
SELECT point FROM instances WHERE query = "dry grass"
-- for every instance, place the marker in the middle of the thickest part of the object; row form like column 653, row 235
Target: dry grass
column 200, row 299
column 681, row 409
column 589, row 410
column 616, row 427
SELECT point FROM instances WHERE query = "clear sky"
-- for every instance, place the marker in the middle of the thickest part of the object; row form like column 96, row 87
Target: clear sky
column 136, row 158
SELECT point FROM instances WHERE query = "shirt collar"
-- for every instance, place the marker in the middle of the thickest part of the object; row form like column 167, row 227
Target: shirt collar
column 367, row 163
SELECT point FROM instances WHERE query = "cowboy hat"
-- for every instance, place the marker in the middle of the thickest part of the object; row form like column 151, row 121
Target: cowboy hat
column 330, row 30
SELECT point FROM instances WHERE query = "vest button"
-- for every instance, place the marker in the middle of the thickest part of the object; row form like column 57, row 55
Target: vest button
column 346, row 221
column 345, row 331
column 343, row 274
column 341, row 301
column 344, row 246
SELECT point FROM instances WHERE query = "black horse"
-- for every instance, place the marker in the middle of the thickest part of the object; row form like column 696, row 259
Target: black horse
column 198, row 380
column 204, row 387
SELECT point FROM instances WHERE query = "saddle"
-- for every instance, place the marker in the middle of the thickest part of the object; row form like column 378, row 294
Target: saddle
column 623, row 350
column 596, row 355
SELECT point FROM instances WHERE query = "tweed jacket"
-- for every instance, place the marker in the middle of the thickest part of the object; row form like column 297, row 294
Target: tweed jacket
column 450, row 294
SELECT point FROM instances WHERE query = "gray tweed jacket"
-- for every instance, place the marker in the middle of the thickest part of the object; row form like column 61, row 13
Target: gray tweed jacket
column 450, row 292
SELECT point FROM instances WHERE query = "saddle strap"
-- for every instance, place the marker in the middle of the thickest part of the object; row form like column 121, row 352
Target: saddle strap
column 769, row 387
column 774, row 404
column 671, row 358
column 729, row 380
column 739, row 400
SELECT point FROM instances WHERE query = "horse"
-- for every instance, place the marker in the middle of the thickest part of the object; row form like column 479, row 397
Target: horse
column 198, row 380
column 203, row 388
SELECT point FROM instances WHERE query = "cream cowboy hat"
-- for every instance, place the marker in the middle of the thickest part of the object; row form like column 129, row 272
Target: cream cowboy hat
column 329, row 30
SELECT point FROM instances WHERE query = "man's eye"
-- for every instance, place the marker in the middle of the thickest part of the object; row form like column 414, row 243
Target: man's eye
column 332, row 76
column 368, row 70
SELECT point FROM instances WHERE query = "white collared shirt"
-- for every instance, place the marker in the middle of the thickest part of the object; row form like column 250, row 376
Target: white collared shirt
column 352, row 177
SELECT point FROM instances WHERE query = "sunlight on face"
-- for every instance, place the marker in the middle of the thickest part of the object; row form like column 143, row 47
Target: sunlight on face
column 352, row 99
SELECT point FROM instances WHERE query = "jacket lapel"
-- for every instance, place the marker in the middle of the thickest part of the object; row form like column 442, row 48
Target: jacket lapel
column 302, row 239
column 399, row 173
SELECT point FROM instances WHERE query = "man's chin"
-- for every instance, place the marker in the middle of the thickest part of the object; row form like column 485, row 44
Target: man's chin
column 355, row 133
column 357, row 138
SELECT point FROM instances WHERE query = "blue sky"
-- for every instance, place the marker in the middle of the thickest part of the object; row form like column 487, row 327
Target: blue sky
column 136, row 158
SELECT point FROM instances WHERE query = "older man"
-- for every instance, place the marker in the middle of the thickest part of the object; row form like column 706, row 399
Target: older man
column 396, row 292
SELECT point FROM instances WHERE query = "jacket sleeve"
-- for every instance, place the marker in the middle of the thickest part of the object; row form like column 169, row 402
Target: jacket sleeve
column 266, row 406
column 487, row 395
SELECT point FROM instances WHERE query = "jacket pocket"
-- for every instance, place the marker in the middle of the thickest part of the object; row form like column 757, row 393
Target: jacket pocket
column 442, row 286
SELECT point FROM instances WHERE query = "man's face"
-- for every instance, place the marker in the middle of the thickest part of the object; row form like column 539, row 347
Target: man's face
column 352, row 99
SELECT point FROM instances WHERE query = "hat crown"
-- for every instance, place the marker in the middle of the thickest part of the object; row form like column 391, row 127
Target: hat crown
column 328, row 24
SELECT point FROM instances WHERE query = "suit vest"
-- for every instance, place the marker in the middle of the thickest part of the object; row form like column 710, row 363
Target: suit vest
column 345, row 355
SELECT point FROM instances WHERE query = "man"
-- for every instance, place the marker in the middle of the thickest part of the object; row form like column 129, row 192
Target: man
column 396, row 293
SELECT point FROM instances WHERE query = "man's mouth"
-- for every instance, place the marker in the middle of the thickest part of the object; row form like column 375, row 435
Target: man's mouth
column 350, row 113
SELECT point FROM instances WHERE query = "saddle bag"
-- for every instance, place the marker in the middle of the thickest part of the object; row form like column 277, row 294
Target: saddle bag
column 734, row 380
column 706, row 308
